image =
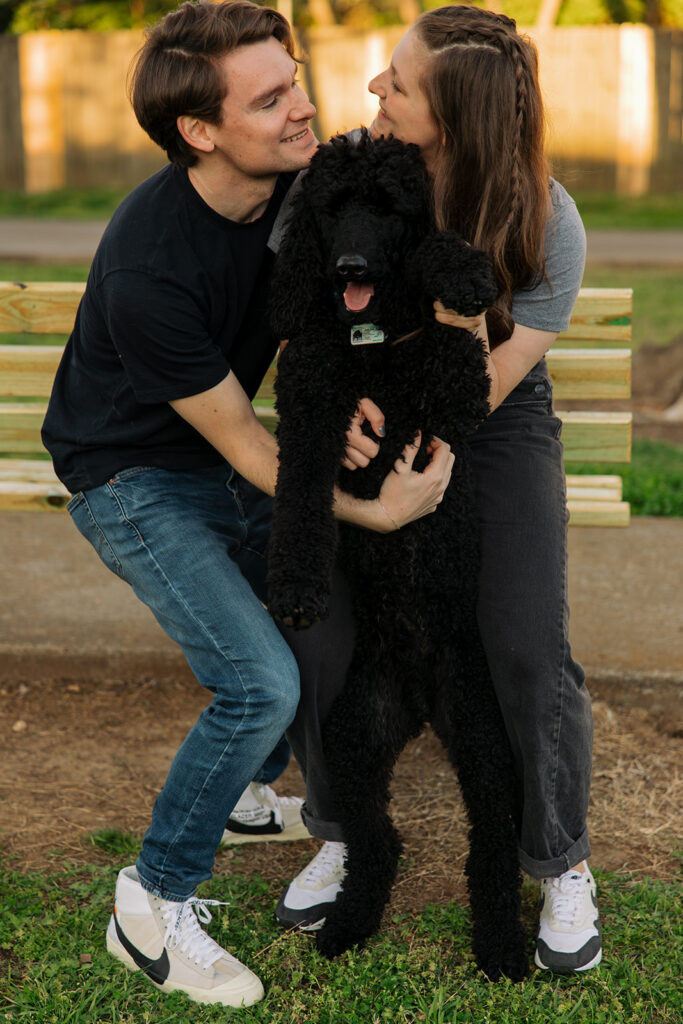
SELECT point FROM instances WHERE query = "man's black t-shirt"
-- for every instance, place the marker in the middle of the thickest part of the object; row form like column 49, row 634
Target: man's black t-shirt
column 176, row 298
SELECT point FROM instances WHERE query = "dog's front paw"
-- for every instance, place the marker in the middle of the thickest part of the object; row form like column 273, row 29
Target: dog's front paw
column 297, row 607
column 460, row 276
column 471, row 290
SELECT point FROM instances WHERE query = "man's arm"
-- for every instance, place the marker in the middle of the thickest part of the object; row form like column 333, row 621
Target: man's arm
column 225, row 417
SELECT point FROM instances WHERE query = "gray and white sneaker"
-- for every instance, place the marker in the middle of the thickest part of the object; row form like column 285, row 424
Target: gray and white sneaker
column 569, row 935
column 261, row 816
column 307, row 898
column 164, row 940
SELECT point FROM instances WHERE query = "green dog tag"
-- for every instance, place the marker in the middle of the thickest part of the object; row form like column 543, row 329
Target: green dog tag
column 366, row 334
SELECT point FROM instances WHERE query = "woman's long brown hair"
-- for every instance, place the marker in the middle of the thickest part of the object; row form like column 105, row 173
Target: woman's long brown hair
column 491, row 181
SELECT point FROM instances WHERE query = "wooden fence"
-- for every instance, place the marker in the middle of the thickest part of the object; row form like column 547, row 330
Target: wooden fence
column 614, row 96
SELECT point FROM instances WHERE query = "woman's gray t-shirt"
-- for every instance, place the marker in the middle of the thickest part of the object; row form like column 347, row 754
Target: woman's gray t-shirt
column 548, row 306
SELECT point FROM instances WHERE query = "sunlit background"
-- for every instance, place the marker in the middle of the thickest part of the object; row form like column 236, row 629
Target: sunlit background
column 611, row 71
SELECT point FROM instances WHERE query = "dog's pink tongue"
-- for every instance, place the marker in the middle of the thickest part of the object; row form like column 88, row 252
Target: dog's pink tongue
column 357, row 295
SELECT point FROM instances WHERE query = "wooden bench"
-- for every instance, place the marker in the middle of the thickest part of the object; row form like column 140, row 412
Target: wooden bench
column 590, row 362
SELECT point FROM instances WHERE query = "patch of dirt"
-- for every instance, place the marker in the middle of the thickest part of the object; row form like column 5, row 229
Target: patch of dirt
column 93, row 756
column 657, row 387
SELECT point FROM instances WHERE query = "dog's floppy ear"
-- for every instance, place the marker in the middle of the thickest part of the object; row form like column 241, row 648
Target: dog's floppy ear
column 402, row 175
column 298, row 275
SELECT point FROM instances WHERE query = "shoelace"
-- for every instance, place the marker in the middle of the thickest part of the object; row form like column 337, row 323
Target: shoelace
column 331, row 855
column 184, row 932
column 566, row 897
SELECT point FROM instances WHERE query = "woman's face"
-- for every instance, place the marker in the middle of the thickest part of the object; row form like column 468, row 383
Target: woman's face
column 404, row 111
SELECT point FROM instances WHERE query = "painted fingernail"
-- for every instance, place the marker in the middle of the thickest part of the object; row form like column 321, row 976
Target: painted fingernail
column 381, row 431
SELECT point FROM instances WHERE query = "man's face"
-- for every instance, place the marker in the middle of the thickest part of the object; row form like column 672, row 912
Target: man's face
column 266, row 114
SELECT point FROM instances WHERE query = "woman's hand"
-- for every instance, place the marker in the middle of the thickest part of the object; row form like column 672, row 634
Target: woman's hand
column 407, row 495
column 453, row 319
column 359, row 447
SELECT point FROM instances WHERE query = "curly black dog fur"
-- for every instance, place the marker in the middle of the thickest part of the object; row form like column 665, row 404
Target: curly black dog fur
column 361, row 250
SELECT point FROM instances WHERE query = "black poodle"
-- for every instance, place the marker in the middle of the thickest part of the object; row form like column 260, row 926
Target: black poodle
column 353, row 291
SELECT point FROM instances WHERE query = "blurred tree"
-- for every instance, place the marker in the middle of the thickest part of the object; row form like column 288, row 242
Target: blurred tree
column 100, row 15
column 7, row 9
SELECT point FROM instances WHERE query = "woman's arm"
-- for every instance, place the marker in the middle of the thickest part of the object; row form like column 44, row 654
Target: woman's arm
column 510, row 361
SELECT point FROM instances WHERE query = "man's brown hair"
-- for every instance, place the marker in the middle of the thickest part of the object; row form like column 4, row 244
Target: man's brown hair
column 177, row 73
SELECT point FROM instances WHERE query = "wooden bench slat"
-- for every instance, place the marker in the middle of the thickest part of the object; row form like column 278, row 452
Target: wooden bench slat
column 586, row 436
column 20, row 428
column 596, row 436
column 27, row 370
column 39, row 307
column 29, row 471
column 601, row 314
column 576, row 373
column 594, row 488
column 590, row 373
column 599, row 513
column 30, row 497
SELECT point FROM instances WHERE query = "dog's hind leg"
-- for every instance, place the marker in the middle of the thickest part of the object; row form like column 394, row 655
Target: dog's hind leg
column 363, row 735
column 468, row 721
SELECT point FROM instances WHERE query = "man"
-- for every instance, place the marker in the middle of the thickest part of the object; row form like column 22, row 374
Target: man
column 150, row 425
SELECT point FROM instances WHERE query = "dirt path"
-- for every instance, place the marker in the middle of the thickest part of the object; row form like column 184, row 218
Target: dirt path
column 89, row 757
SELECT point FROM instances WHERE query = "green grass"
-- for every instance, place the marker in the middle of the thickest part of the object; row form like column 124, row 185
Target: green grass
column 605, row 210
column 598, row 209
column 20, row 271
column 653, row 480
column 418, row 969
column 77, row 204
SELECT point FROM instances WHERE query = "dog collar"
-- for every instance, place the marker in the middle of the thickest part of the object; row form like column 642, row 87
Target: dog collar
column 371, row 334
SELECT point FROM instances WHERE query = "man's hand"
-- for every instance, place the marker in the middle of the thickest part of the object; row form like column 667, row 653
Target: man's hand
column 407, row 495
column 359, row 447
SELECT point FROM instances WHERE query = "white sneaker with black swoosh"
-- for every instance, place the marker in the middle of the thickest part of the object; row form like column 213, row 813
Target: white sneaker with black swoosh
column 261, row 816
column 569, row 935
column 164, row 940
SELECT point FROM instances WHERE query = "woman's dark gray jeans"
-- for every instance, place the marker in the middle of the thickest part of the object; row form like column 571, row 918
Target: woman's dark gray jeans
column 523, row 616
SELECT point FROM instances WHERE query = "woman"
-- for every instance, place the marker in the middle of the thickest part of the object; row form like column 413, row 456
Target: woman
column 463, row 86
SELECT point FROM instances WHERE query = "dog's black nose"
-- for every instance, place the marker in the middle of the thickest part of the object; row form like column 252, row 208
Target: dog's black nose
column 352, row 267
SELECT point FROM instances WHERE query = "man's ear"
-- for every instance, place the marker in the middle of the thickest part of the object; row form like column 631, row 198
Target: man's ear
column 196, row 133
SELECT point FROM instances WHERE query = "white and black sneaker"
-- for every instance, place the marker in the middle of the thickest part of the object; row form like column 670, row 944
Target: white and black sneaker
column 569, row 935
column 261, row 816
column 309, row 896
column 165, row 941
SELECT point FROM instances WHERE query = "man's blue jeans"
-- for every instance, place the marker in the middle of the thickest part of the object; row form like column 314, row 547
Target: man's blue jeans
column 191, row 545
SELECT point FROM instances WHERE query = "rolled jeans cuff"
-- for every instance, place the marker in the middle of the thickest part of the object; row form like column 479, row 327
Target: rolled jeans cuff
column 330, row 831
column 161, row 893
column 578, row 851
